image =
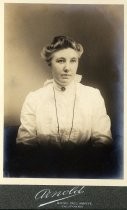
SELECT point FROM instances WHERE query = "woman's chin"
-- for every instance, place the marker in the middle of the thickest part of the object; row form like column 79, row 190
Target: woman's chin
column 64, row 82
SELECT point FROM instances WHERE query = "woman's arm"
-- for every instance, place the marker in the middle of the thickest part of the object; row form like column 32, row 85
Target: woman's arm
column 101, row 124
column 27, row 133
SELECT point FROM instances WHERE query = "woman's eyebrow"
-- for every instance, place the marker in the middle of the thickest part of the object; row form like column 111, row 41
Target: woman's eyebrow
column 73, row 58
column 60, row 58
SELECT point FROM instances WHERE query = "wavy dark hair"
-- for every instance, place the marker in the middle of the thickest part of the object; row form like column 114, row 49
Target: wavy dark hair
column 59, row 43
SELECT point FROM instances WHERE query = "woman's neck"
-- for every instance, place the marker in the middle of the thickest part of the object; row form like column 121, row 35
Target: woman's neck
column 63, row 87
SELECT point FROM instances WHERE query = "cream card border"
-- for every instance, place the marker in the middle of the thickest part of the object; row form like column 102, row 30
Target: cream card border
column 43, row 181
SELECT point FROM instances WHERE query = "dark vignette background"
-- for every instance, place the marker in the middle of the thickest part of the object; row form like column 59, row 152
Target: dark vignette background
column 99, row 28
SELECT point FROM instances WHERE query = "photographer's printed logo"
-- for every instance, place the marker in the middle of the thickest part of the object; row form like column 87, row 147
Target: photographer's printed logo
column 48, row 196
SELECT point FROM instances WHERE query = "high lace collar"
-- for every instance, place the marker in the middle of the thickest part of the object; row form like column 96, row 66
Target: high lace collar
column 77, row 79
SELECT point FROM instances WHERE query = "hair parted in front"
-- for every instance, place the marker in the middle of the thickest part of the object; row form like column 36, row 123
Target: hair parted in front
column 59, row 43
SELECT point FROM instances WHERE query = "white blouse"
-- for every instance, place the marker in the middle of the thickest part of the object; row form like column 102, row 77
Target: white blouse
column 76, row 114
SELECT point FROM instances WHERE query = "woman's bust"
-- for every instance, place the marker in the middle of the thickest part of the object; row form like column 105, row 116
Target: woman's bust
column 64, row 110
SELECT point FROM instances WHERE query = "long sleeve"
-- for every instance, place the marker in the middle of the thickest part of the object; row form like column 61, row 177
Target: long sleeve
column 101, row 124
column 27, row 130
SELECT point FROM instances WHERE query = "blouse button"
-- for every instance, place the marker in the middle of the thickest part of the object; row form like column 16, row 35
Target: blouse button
column 63, row 88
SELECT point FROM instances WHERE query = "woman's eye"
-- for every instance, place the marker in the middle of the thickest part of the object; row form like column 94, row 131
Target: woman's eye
column 73, row 60
column 60, row 61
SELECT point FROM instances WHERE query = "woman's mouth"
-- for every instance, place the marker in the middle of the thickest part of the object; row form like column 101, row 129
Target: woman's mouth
column 65, row 76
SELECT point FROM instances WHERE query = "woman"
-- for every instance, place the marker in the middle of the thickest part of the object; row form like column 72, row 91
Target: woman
column 64, row 110
column 65, row 130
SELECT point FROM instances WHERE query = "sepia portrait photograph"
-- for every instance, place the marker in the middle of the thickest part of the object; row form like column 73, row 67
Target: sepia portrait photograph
column 63, row 91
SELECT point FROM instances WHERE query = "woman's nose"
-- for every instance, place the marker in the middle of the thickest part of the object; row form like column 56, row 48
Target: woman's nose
column 66, row 68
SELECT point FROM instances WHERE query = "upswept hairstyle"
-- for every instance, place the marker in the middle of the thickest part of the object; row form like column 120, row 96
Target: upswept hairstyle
column 59, row 43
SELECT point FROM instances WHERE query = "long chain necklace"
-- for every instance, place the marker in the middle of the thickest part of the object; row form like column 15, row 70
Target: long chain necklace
column 72, row 123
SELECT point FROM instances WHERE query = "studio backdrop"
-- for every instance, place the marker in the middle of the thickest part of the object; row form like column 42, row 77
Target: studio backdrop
column 99, row 28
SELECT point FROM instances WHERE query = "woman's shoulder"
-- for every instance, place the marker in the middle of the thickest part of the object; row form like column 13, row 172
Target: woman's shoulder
column 90, row 94
column 88, row 89
column 39, row 93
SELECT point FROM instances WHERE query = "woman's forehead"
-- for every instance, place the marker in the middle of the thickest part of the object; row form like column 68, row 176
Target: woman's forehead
column 65, row 53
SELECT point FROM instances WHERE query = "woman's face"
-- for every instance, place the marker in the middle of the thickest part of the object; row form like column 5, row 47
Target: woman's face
column 64, row 66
